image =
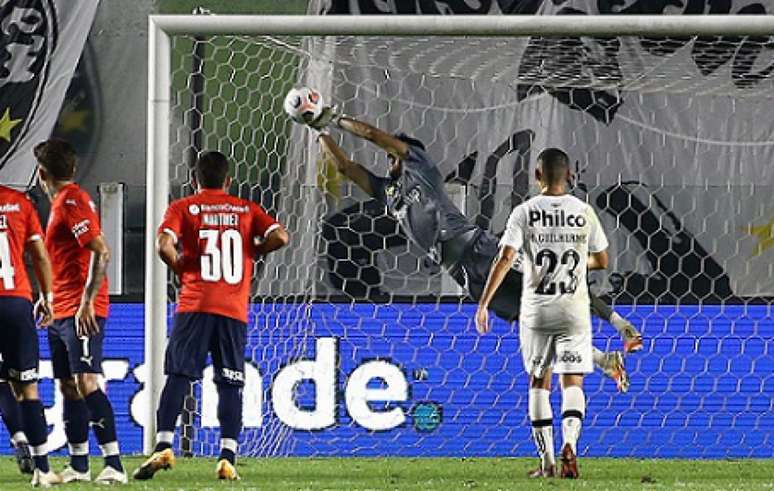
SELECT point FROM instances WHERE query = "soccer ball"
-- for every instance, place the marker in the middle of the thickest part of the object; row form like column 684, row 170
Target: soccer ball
column 303, row 105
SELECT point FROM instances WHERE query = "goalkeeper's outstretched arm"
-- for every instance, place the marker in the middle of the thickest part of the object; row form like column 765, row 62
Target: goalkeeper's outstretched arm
column 387, row 142
column 347, row 167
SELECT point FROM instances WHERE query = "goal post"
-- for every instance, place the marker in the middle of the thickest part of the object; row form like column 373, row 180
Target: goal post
column 159, row 165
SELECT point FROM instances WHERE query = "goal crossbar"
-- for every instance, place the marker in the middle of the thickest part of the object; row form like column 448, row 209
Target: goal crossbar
column 161, row 27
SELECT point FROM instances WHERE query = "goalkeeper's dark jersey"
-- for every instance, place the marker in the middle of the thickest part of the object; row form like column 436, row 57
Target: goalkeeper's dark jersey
column 418, row 200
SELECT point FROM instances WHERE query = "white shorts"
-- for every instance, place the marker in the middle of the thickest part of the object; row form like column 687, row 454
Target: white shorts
column 562, row 352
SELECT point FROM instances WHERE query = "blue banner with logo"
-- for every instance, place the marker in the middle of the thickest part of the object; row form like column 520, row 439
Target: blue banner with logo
column 416, row 380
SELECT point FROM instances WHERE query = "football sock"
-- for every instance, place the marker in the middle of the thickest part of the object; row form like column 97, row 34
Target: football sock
column 600, row 308
column 170, row 405
column 9, row 409
column 598, row 356
column 542, row 425
column 103, row 422
column 230, row 418
column 76, row 421
column 37, row 431
column 573, row 410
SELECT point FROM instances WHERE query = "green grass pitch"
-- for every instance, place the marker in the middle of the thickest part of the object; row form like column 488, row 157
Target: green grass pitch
column 428, row 474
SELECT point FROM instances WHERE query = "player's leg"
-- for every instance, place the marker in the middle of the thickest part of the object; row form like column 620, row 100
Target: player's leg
column 632, row 338
column 85, row 357
column 75, row 411
column 12, row 418
column 537, row 352
column 184, row 361
column 21, row 360
column 573, row 361
column 228, row 359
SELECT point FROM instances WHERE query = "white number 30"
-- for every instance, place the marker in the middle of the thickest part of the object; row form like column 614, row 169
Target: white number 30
column 222, row 258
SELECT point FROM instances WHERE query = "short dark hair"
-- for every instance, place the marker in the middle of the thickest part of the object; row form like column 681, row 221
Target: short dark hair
column 211, row 170
column 410, row 140
column 57, row 157
column 554, row 164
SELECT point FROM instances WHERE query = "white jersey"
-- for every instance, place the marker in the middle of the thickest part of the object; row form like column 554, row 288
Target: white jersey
column 556, row 235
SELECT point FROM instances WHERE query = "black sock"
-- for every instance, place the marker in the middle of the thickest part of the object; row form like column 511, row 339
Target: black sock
column 9, row 410
column 76, row 421
column 104, row 424
column 170, row 406
column 37, row 432
column 230, row 418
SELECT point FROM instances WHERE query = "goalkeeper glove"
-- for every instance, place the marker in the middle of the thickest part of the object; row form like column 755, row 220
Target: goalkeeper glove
column 323, row 120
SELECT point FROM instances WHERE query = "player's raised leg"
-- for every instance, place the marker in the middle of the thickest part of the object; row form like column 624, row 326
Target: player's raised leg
column 632, row 338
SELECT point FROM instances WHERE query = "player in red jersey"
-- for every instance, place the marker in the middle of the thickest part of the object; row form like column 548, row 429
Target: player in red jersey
column 20, row 232
column 219, row 237
column 79, row 255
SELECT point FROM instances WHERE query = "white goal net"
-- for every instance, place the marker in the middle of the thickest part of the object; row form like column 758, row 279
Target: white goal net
column 361, row 344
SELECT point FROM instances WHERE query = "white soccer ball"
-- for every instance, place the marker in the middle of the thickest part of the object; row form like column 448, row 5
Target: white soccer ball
column 303, row 105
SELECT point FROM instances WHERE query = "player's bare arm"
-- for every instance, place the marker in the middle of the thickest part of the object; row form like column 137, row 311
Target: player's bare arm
column 597, row 260
column 166, row 248
column 277, row 239
column 380, row 138
column 85, row 318
column 347, row 167
column 500, row 267
column 41, row 265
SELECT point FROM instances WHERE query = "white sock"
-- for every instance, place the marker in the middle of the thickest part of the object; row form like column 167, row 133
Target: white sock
column 618, row 322
column 573, row 410
column 542, row 425
column 599, row 357
column 165, row 437
column 18, row 438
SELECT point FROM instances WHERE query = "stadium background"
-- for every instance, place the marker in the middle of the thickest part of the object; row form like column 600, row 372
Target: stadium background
column 705, row 381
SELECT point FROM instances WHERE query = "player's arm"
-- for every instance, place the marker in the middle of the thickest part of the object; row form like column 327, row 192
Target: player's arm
column 510, row 244
column 597, row 260
column 348, row 168
column 598, row 244
column 166, row 248
column 41, row 265
column 85, row 319
column 382, row 139
column 500, row 267
column 277, row 238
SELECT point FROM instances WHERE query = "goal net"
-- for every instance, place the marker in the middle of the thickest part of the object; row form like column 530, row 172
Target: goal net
column 361, row 344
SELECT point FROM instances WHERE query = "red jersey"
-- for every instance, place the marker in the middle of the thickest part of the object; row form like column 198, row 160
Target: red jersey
column 19, row 224
column 217, row 233
column 73, row 223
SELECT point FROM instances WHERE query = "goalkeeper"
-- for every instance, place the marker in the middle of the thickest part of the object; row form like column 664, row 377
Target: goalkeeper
column 415, row 195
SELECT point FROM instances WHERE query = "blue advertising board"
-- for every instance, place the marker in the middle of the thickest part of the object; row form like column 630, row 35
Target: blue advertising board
column 416, row 380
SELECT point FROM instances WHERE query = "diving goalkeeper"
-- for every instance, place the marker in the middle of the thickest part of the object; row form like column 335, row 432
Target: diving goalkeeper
column 414, row 193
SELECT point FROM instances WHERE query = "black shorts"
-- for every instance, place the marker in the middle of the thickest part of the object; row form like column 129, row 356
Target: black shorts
column 19, row 355
column 194, row 335
column 472, row 270
column 70, row 354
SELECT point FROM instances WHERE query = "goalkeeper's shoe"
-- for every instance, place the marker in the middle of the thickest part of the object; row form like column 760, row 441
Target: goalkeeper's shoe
column 227, row 471
column 45, row 479
column 632, row 338
column 549, row 471
column 164, row 459
column 613, row 366
column 109, row 475
column 71, row 475
column 569, row 463
column 24, row 458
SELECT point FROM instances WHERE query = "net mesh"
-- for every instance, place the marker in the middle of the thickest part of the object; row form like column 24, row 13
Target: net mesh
column 670, row 141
